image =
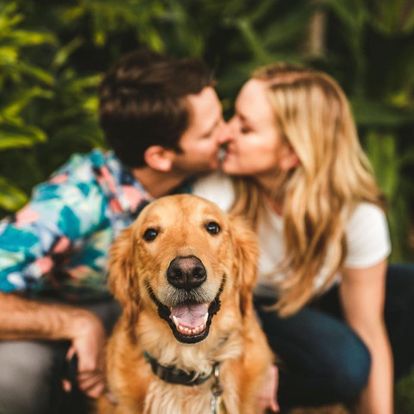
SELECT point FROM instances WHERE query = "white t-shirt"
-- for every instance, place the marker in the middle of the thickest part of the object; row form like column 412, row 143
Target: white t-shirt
column 366, row 233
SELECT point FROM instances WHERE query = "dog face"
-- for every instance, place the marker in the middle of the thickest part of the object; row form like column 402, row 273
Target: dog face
column 180, row 258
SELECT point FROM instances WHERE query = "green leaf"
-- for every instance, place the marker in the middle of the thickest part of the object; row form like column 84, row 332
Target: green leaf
column 91, row 105
column 287, row 28
column 385, row 160
column 36, row 72
column 13, row 107
column 393, row 17
column 8, row 18
column 369, row 113
column 28, row 38
column 262, row 8
column 352, row 14
column 65, row 52
column 252, row 40
column 84, row 132
column 20, row 136
column 8, row 55
column 86, row 82
column 11, row 197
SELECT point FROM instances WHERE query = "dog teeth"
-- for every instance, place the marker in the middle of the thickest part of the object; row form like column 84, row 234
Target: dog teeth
column 185, row 330
column 189, row 331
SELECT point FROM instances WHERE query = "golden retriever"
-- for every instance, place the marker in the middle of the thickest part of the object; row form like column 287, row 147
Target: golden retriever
column 184, row 274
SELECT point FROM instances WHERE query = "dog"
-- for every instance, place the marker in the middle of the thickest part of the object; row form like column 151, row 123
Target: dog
column 187, row 341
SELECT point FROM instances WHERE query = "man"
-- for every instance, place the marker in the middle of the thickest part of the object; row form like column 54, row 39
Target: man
column 163, row 120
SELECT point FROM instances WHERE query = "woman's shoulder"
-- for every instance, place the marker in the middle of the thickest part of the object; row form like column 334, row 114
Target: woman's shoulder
column 367, row 236
column 367, row 208
column 367, row 216
column 217, row 188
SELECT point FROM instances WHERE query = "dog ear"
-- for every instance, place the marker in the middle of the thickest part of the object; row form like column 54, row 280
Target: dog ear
column 246, row 254
column 123, row 280
column 120, row 266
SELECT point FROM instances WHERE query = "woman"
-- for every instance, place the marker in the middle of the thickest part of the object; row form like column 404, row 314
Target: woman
column 309, row 190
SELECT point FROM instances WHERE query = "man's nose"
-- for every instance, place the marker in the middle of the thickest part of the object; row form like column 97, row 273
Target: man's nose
column 226, row 134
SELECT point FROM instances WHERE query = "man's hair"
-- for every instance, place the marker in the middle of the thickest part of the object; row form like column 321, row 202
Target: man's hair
column 143, row 102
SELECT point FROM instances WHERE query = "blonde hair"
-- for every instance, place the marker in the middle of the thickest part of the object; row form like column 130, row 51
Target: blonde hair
column 333, row 176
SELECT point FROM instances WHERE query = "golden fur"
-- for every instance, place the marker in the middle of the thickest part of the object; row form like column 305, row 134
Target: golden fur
column 235, row 339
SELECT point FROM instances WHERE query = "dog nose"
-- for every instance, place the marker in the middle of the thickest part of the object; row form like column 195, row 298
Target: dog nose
column 186, row 272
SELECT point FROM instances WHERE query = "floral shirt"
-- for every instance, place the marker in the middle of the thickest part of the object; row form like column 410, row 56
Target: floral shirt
column 59, row 242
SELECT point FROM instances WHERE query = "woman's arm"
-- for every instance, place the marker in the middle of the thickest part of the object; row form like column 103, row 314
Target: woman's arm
column 362, row 294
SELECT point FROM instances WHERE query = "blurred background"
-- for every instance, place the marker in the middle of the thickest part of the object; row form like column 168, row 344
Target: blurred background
column 52, row 56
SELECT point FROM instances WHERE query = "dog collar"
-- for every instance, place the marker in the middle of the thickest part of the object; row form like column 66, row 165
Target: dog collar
column 174, row 375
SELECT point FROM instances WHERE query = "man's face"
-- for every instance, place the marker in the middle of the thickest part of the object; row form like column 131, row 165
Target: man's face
column 201, row 141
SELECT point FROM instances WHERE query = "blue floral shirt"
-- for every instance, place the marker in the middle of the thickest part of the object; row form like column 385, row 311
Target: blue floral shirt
column 59, row 242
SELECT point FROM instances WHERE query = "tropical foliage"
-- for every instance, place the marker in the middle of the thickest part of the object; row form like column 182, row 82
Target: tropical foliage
column 52, row 56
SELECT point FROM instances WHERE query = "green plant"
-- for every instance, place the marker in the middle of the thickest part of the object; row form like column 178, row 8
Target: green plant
column 372, row 46
column 49, row 77
column 21, row 83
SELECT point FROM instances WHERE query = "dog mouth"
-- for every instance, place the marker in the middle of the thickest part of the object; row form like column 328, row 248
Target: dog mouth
column 189, row 321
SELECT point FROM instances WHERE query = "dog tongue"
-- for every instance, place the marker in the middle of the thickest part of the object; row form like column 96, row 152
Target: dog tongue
column 190, row 316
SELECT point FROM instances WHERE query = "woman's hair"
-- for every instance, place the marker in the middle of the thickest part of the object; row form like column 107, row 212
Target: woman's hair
column 313, row 117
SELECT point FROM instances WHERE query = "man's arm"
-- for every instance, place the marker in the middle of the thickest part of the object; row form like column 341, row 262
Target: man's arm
column 22, row 318
column 62, row 214
column 26, row 319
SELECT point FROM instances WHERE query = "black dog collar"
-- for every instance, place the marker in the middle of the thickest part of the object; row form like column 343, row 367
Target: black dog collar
column 174, row 375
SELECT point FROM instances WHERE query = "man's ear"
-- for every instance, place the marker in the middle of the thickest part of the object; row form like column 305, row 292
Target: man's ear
column 288, row 158
column 159, row 158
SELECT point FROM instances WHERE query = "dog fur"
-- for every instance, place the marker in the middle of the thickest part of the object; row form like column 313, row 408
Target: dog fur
column 182, row 225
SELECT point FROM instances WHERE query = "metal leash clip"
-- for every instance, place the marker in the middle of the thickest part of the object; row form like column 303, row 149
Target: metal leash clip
column 216, row 390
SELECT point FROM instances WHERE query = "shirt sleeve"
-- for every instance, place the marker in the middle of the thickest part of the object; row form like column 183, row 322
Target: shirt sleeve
column 61, row 212
column 217, row 188
column 367, row 237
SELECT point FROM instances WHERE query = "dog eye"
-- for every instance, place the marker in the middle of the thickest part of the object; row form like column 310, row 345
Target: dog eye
column 150, row 234
column 212, row 227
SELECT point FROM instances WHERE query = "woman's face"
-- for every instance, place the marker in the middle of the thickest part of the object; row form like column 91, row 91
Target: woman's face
column 255, row 145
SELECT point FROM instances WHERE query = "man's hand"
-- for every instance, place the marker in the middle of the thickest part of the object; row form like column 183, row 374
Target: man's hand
column 267, row 397
column 88, row 341
column 25, row 319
